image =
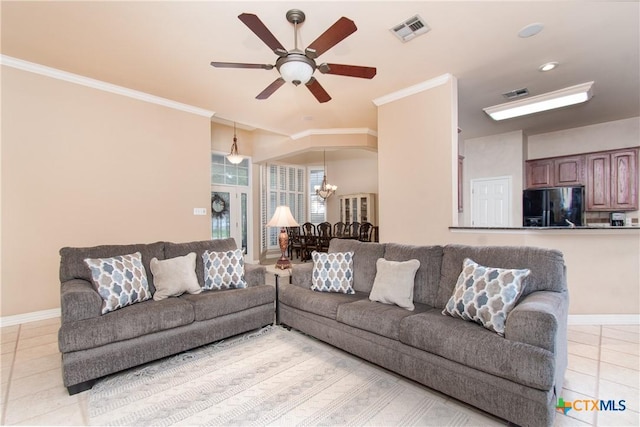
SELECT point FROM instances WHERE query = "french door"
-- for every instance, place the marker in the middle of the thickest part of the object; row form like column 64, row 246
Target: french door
column 230, row 215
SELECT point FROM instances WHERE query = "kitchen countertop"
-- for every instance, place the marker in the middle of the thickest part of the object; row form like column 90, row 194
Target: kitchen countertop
column 586, row 227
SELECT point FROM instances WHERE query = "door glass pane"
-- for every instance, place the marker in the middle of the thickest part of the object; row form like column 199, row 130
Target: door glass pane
column 220, row 218
column 244, row 221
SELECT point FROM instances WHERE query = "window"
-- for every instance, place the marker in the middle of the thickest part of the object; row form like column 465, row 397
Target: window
column 281, row 185
column 317, row 211
column 225, row 173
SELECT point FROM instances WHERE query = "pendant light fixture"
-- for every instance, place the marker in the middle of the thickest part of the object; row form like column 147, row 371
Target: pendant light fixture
column 325, row 190
column 233, row 156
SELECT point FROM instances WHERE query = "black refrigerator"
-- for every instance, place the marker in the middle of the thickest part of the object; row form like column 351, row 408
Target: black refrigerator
column 553, row 207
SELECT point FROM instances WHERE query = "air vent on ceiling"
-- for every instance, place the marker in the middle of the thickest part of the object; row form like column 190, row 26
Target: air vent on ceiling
column 410, row 28
column 516, row 93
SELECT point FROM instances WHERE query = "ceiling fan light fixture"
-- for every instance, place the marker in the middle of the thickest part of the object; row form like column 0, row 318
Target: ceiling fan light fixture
column 547, row 101
column 296, row 69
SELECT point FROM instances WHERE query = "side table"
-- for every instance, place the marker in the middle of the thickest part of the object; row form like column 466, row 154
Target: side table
column 271, row 269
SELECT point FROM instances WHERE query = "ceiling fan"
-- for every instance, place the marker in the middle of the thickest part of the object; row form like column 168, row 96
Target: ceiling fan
column 296, row 66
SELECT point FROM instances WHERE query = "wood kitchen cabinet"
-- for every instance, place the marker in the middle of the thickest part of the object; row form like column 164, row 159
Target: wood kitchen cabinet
column 555, row 172
column 540, row 173
column 612, row 180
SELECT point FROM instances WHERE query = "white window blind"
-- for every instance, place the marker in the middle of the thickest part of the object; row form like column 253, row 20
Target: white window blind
column 317, row 211
column 282, row 185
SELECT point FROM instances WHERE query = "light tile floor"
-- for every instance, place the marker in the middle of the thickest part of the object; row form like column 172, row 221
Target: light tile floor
column 603, row 364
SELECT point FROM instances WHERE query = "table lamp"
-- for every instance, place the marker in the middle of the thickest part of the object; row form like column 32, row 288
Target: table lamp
column 282, row 218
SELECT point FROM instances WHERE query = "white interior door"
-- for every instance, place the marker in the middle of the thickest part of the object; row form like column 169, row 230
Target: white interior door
column 230, row 215
column 491, row 202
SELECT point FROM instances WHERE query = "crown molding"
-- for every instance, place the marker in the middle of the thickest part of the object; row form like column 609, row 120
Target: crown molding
column 412, row 90
column 334, row 131
column 100, row 85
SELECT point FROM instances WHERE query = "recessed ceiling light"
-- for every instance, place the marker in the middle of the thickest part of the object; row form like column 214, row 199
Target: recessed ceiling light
column 530, row 30
column 548, row 66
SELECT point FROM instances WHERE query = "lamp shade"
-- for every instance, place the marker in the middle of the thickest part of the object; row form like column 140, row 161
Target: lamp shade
column 282, row 218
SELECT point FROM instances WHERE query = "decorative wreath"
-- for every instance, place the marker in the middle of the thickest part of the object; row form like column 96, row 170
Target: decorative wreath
column 218, row 206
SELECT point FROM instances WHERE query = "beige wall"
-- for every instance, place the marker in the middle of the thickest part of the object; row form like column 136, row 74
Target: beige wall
column 416, row 165
column 603, row 136
column 491, row 157
column 603, row 266
column 83, row 167
column 353, row 171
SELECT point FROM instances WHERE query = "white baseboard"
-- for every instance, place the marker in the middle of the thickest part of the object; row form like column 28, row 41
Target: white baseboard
column 604, row 319
column 29, row 317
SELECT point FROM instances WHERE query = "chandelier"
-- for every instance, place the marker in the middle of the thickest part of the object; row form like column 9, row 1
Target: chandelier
column 325, row 190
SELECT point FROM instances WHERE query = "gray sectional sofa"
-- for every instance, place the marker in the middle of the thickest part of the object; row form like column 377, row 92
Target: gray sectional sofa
column 517, row 377
column 94, row 344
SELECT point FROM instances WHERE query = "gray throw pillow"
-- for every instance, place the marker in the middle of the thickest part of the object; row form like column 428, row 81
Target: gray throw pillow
column 394, row 282
column 175, row 276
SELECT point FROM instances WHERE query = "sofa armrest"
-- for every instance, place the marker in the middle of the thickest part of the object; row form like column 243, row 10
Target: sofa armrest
column 540, row 319
column 301, row 275
column 79, row 300
column 254, row 274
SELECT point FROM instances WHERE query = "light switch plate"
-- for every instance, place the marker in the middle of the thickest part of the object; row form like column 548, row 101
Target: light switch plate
column 199, row 211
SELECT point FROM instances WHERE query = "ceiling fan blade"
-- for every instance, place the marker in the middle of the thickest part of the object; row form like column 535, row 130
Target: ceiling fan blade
column 317, row 90
column 348, row 70
column 241, row 65
column 257, row 26
column 271, row 88
column 342, row 28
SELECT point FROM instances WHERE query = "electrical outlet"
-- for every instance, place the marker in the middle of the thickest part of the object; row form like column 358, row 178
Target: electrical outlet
column 199, row 211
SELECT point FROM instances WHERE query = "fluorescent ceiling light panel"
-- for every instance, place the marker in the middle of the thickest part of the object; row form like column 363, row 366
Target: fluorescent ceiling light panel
column 547, row 101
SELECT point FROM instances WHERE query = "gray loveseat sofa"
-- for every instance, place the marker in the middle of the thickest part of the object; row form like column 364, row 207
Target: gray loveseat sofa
column 94, row 344
column 517, row 377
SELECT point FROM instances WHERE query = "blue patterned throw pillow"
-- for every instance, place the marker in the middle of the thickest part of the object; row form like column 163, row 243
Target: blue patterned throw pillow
column 120, row 280
column 332, row 272
column 486, row 295
column 223, row 270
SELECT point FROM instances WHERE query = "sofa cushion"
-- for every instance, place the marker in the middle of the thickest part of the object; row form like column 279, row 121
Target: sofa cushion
column 486, row 295
column 175, row 276
column 321, row 303
column 179, row 249
column 332, row 272
column 365, row 255
column 223, row 270
column 478, row 348
column 381, row 319
column 546, row 265
column 72, row 265
column 212, row 304
column 136, row 320
column 120, row 280
column 427, row 276
column 394, row 282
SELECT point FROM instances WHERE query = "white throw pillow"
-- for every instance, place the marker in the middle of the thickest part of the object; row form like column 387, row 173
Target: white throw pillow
column 174, row 276
column 394, row 282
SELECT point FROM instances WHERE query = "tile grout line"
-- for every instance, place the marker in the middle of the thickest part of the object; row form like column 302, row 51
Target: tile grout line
column 597, row 396
column 5, row 399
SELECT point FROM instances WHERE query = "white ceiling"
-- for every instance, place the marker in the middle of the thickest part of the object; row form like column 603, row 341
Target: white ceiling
column 164, row 49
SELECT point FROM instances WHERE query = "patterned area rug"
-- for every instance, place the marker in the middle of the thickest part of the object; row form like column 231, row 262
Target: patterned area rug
column 268, row 377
